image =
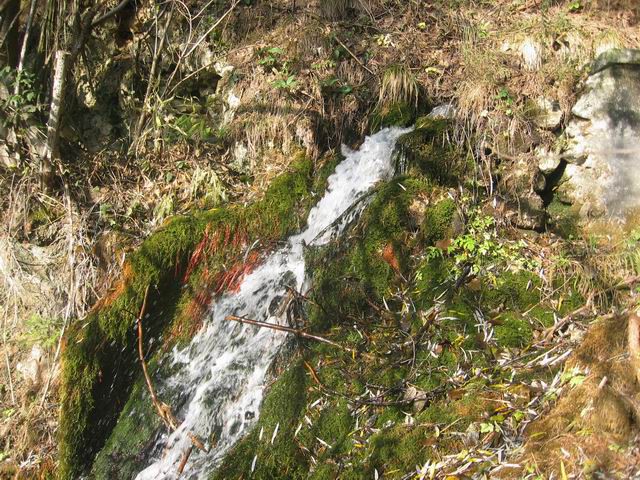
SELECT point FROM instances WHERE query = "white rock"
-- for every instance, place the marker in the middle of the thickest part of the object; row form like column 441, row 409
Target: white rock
column 531, row 52
column 444, row 111
column 604, row 140
column 548, row 161
column 7, row 160
column 548, row 113
column 31, row 368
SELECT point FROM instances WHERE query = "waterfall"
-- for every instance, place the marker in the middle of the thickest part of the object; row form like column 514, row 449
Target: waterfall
column 220, row 377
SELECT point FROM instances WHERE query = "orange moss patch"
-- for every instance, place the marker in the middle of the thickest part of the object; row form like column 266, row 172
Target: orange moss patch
column 116, row 290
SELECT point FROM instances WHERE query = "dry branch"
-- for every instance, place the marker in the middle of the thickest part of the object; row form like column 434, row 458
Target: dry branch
column 23, row 49
column 151, row 83
column 164, row 410
column 354, row 57
column 118, row 8
column 550, row 332
column 53, row 124
column 295, row 331
column 633, row 342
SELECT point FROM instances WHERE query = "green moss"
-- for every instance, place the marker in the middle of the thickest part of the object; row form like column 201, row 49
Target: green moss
column 398, row 449
column 397, row 114
column 349, row 275
column 99, row 364
column 427, row 148
column 431, row 277
column 516, row 291
column 137, row 423
column 513, row 331
column 333, row 427
column 437, row 221
column 542, row 314
column 563, row 219
column 283, row 406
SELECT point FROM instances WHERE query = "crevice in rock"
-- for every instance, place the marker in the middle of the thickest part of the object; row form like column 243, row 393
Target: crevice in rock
column 552, row 181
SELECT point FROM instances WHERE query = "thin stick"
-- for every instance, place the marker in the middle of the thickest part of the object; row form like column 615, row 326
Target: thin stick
column 111, row 13
column 6, row 359
column 295, row 331
column 23, row 49
column 185, row 458
column 549, row 332
column 204, row 36
column 53, row 124
column 164, row 410
column 152, row 80
column 354, row 57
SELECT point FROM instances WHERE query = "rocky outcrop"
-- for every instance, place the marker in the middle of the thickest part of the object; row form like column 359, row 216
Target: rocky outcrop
column 603, row 149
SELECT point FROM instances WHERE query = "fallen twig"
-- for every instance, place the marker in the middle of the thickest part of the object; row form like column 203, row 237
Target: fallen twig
column 164, row 411
column 354, row 57
column 185, row 458
column 550, row 332
column 295, row 331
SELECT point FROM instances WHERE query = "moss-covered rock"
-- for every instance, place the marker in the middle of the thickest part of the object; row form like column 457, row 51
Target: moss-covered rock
column 428, row 149
column 513, row 331
column 99, row 363
column 438, row 219
column 396, row 114
column 564, row 219
column 281, row 458
column 138, row 422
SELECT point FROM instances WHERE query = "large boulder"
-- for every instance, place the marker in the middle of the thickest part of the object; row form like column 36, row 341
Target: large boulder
column 602, row 178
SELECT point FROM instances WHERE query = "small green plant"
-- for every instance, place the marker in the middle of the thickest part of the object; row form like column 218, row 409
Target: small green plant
column 493, row 425
column 481, row 252
column 193, row 127
column 42, row 330
column 289, row 83
column 206, row 185
column 384, row 40
column 24, row 105
column 107, row 214
column 506, row 101
column 333, row 85
column 575, row 6
column 271, row 57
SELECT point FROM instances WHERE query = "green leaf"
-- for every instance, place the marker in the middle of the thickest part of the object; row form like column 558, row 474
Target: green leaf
column 487, row 427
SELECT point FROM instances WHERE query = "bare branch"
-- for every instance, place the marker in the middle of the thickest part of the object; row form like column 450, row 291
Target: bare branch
column 295, row 331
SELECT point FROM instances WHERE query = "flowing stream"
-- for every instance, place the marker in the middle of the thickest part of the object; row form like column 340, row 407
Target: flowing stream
column 220, row 377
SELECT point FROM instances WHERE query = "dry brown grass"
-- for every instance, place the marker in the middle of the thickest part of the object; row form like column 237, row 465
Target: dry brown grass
column 590, row 427
column 335, row 10
column 398, row 85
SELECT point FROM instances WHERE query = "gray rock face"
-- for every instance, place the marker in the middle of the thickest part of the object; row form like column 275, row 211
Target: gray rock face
column 548, row 114
column 603, row 174
column 616, row 56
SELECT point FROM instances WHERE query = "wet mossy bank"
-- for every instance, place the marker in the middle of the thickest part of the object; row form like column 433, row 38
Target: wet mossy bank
column 431, row 325
column 182, row 263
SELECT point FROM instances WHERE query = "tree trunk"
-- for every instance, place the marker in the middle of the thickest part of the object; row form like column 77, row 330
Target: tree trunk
column 53, row 124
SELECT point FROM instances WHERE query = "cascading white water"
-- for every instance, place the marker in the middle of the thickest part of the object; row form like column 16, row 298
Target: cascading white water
column 221, row 374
